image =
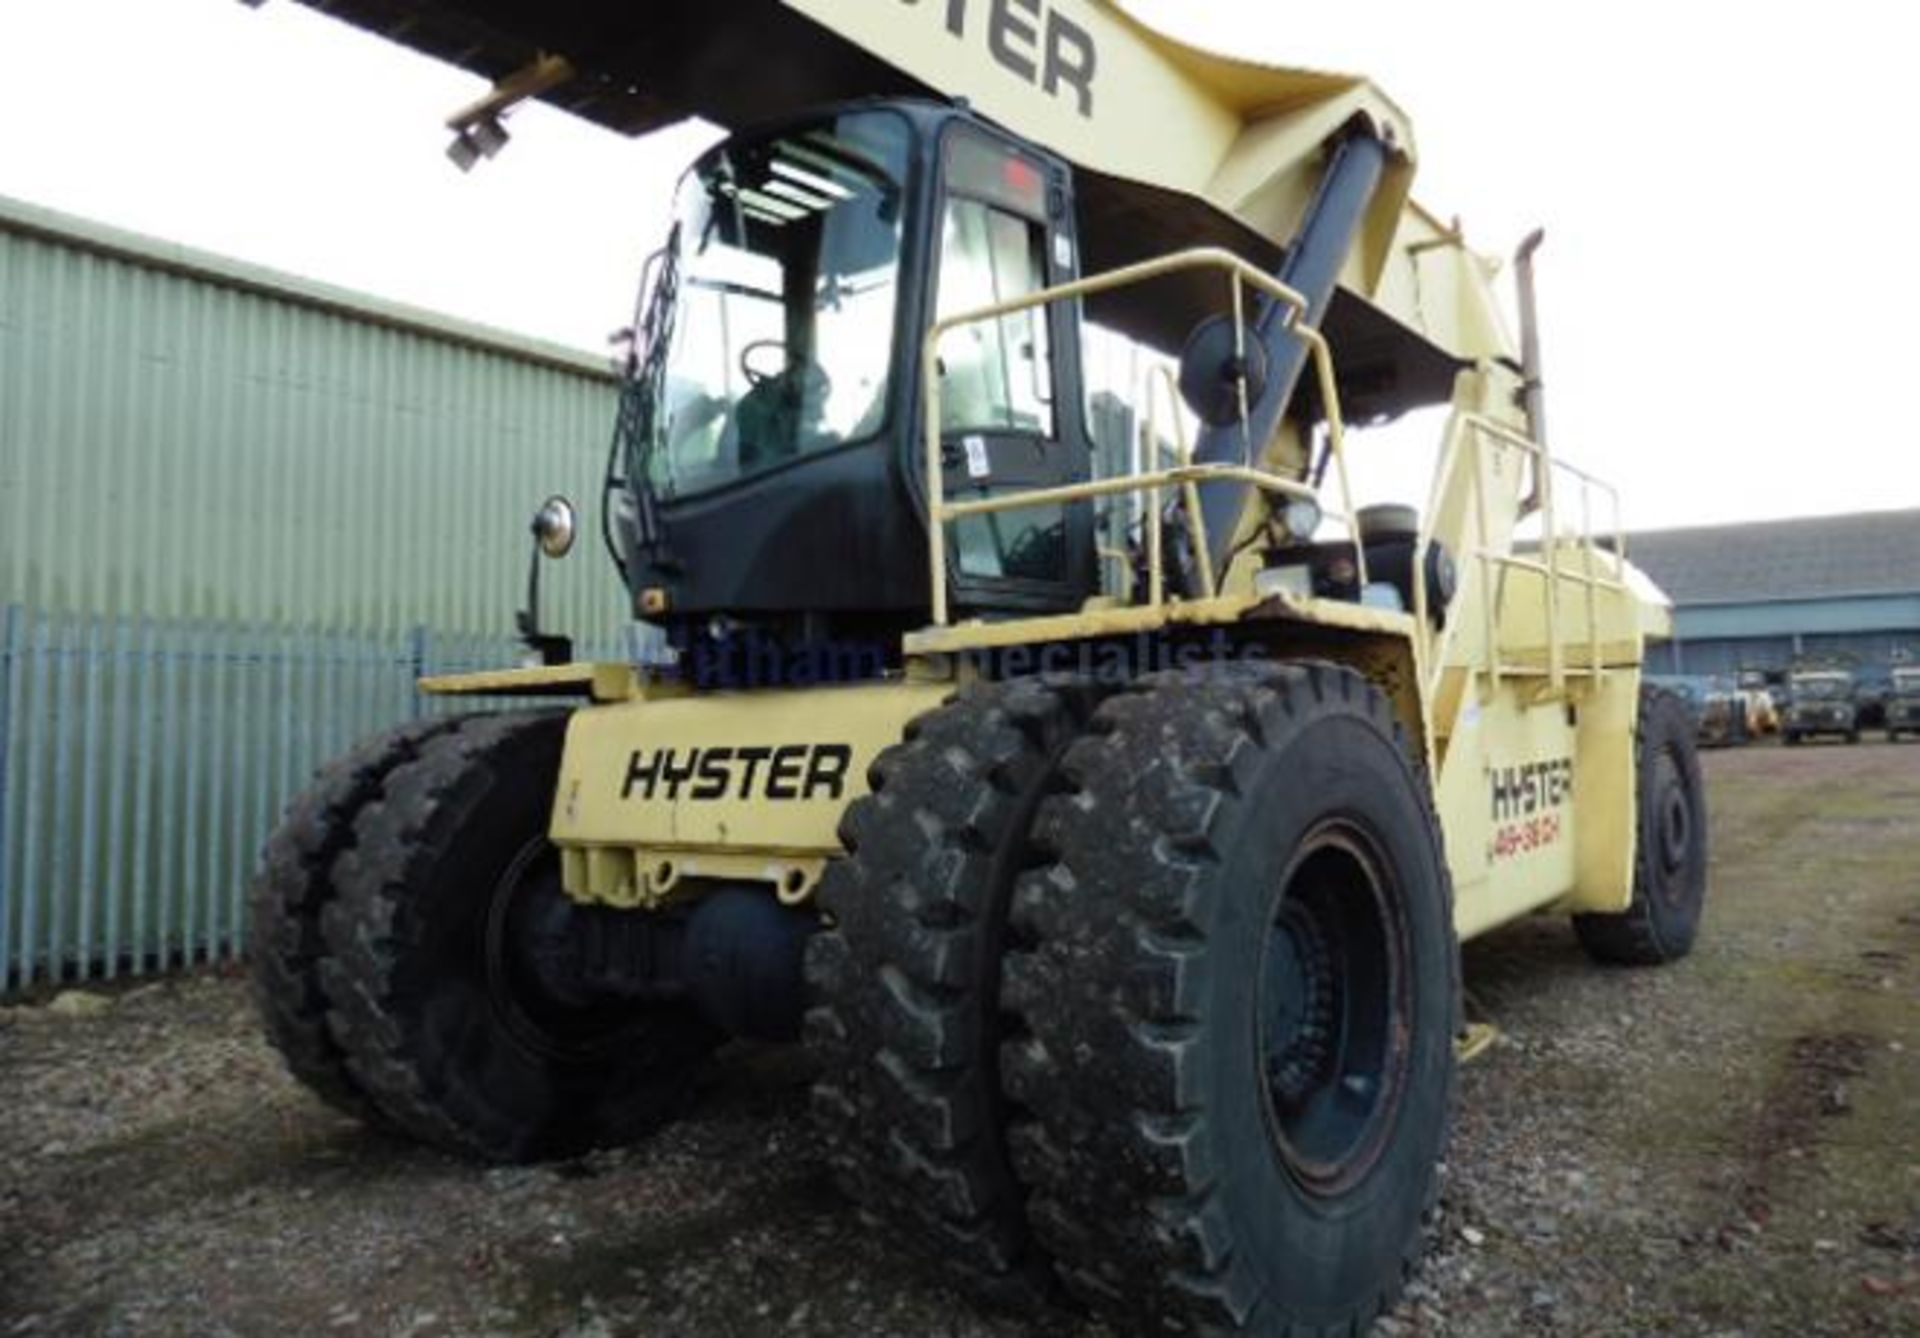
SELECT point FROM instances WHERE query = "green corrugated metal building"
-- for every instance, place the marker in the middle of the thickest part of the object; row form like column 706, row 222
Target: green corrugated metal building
column 239, row 512
column 186, row 436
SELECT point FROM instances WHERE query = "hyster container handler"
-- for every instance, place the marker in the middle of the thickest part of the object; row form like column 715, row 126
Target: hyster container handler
column 1104, row 825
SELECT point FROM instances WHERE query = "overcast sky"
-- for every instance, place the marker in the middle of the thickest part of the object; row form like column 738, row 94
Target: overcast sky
column 1729, row 283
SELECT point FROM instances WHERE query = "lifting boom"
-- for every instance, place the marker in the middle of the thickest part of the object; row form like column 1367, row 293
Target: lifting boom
column 1178, row 145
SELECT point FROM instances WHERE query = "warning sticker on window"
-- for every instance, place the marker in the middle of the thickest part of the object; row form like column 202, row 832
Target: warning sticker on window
column 977, row 466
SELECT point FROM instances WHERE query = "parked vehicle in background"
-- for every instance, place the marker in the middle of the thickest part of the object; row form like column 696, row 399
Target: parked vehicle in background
column 1821, row 701
column 1772, row 684
column 1723, row 721
column 1763, row 717
column 1723, row 714
column 1903, row 702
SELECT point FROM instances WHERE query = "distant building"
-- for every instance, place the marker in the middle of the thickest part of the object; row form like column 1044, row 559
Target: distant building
column 1760, row 595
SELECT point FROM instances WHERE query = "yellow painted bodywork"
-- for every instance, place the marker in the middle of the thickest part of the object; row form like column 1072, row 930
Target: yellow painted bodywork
column 1537, row 661
column 621, row 848
column 601, row 682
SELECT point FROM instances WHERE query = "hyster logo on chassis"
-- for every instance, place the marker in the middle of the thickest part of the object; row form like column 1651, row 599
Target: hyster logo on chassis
column 789, row 771
column 1039, row 45
column 1526, row 805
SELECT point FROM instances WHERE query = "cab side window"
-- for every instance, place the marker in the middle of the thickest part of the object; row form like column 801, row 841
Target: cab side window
column 996, row 375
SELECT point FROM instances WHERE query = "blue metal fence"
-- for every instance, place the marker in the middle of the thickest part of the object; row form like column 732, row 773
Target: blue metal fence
column 143, row 762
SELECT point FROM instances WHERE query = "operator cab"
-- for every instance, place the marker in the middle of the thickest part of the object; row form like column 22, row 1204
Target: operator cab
column 773, row 431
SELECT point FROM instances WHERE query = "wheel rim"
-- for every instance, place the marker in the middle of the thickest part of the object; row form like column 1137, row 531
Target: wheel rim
column 531, row 976
column 1334, row 1010
column 1674, row 821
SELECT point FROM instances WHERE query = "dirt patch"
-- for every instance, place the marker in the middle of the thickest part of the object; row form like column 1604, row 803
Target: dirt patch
column 1812, row 1086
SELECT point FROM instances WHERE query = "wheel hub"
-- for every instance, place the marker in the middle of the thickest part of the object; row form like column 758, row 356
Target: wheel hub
column 1674, row 830
column 1300, row 1019
column 544, row 944
column 1333, row 1011
column 1674, row 822
column 532, row 959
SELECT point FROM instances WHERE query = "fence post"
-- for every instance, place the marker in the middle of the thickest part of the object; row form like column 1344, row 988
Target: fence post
column 417, row 704
column 9, row 658
column 92, row 772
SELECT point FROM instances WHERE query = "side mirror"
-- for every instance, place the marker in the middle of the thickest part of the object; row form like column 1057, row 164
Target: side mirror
column 554, row 526
column 1213, row 368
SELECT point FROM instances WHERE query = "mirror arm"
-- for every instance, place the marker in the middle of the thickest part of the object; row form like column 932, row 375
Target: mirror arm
column 552, row 649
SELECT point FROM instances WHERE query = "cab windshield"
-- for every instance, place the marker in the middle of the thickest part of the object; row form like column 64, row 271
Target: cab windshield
column 1820, row 689
column 1906, row 682
column 777, row 296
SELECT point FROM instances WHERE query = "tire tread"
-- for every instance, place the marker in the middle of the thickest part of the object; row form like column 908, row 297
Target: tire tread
column 903, row 978
column 287, row 901
column 1636, row 936
column 1084, row 921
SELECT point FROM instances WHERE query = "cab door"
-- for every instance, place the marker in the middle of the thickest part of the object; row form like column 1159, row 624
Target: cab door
column 1009, row 387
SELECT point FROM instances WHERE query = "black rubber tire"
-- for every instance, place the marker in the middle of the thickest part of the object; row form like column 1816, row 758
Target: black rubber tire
column 290, row 890
column 1853, row 736
column 1669, row 873
column 1153, row 1172
column 418, row 947
column 905, row 1019
column 1791, row 739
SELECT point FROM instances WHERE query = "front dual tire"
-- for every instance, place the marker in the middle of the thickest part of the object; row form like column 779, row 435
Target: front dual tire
column 407, row 923
column 1223, row 1000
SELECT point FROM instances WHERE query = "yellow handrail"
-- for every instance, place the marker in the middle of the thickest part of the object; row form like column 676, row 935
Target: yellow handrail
column 1468, row 431
column 1185, row 475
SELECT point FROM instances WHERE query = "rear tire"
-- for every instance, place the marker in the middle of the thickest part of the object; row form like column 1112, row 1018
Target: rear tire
column 1670, row 849
column 439, row 981
column 905, row 1022
column 290, row 892
column 1239, row 986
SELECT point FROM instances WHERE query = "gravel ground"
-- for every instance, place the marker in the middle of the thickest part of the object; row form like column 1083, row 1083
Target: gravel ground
column 1729, row 1146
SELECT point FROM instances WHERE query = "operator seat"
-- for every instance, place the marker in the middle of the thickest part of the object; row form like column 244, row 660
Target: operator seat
column 776, row 419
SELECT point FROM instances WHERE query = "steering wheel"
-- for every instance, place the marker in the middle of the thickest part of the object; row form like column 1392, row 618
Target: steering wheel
column 780, row 411
column 755, row 377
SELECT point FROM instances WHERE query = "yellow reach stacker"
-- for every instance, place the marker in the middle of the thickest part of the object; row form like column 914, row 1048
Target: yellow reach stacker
column 1102, row 809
